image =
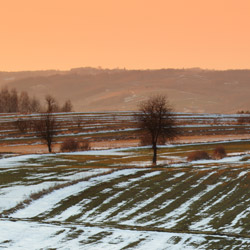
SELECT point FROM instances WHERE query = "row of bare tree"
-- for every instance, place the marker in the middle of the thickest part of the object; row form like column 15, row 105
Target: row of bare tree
column 155, row 120
column 12, row 102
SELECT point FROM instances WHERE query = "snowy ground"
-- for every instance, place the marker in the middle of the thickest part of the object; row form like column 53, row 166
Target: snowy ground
column 199, row 205
column 34, row 235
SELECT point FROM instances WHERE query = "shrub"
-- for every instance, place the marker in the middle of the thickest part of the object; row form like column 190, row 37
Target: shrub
column 70, row 145
column 219, row 153
column 85, row 145
column 198, row 155
column 243, row 112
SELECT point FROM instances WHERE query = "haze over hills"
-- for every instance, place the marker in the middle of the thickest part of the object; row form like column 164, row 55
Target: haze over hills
column 96, row 89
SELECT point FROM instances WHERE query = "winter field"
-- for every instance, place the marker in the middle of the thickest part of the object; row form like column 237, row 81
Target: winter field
column 114, row 199
column 110, row 128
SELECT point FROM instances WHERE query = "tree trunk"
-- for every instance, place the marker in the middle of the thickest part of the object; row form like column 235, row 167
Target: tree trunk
column 155, row 154
column 49, row 147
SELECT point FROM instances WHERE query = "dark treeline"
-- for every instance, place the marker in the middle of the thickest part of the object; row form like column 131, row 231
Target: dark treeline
column 12, row 102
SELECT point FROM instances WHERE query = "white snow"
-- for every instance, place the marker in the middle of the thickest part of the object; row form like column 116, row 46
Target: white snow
column 132, row 180
column 12, row 195
column 178, row 214
column 243, row 173
column 114, row 152
column 232, row 159
column 17, row 161
column 32, row 235
column 47, row 202
column 56, row 233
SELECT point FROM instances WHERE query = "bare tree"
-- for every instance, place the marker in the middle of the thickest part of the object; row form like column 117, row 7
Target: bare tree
column 156, row 122
column 67, row 107
column 24, row 102
column 35, row 105
column 13, row 101
column 46, row 128
column 4, row 100
column 52, row 105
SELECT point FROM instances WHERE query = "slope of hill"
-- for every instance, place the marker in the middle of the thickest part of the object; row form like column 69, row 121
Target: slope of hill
column 90, row 89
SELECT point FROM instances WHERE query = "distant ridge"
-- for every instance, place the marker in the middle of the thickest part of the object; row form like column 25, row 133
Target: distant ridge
column 97, row 89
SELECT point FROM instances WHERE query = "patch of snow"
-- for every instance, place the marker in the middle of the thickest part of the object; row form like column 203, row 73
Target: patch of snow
column 26, row 234
column 132, row 180
column 232, row 159
column 48, row 201
column 243, row 173
column 114, row 152
column 17, row 161
column 11, row 196
column 179, row 214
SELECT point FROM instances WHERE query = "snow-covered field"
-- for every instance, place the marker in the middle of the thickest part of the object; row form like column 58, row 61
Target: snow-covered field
column 46, row 203
column 34, row 235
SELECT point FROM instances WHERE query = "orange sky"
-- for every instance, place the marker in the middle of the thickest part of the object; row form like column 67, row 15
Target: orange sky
column 62, row 34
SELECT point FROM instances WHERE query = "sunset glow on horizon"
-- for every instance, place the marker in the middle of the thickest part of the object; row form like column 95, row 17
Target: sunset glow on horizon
column 135, row 34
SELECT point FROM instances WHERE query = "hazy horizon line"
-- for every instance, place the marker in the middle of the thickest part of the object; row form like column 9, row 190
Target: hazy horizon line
column 124, row 68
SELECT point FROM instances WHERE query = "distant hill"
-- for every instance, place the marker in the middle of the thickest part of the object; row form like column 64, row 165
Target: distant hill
column 96, row 89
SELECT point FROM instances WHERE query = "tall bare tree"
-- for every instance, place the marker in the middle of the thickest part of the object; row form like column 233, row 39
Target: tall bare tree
column 35, row 105
column 46, row 128
column 52, row 105
column 156, row 122
column 24, row 102
column 4, row 100
column 67, row 106
column 13, row 101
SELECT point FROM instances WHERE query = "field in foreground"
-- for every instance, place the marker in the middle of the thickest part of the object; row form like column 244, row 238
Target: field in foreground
column 108, row 199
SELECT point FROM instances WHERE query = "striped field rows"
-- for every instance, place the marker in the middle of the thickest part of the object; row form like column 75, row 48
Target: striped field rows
column 200, row 207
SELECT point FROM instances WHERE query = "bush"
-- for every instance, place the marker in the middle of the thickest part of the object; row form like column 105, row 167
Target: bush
column 219, row 153
column 85, row 145
column 70, row 145
column 198, row 155
column 243, row 112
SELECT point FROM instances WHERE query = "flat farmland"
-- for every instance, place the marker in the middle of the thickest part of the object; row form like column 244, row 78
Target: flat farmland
column 111, row 198
column 115, row 129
